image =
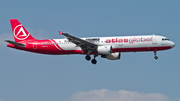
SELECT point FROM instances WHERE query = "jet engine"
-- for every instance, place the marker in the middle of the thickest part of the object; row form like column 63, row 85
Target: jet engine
column 104, row 49
column 112, row 56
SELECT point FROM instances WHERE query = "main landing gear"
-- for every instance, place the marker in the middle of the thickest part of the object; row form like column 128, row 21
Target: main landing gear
column 155, row 57
column 93, row 61
column 88, row 57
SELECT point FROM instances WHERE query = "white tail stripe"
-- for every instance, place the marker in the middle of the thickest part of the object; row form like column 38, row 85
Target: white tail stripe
column 54, row 44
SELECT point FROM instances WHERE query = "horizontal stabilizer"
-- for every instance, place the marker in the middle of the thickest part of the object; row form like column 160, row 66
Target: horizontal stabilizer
column 15, row 43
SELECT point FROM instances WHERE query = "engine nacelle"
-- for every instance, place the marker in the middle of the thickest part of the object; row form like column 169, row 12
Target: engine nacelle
column 112, row 56
column 104, row 49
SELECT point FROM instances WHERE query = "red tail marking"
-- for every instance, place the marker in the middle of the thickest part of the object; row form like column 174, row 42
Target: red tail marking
column 19, row 32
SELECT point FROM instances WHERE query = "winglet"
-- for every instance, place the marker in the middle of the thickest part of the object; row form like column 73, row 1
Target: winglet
column 60, row 32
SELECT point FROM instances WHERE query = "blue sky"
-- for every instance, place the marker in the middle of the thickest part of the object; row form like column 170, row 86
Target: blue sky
column 26, row 76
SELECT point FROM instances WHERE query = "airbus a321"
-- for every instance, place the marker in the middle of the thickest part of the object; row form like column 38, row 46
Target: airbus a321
column 107, row 47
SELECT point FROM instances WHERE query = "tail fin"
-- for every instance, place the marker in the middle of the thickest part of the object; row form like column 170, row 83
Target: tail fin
column 19, row 32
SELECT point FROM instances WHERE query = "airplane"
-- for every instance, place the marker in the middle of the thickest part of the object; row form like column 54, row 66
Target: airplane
column 107, row 47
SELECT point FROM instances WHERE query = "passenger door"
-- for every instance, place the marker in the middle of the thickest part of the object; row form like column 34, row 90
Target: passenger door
column 154, row 41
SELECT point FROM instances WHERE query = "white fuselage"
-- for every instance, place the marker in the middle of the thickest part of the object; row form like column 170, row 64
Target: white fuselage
column 121, row 42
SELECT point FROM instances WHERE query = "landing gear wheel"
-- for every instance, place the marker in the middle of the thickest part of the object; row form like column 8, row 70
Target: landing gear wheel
column 93, row 61
column 88, row 57
column 156, row 57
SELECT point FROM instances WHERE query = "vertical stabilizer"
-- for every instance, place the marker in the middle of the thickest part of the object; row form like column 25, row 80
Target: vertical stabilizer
column 19, row 32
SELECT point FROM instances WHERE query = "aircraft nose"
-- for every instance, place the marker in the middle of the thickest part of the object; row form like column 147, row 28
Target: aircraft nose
column 172, row 44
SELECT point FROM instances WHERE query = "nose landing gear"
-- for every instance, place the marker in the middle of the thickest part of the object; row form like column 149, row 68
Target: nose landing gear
column 155, row 57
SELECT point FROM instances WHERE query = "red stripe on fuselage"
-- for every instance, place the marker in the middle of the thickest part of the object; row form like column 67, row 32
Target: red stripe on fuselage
column 55, row 44
column 113, row 50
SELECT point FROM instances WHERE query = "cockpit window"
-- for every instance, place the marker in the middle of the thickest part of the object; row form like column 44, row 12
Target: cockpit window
column 165, row 39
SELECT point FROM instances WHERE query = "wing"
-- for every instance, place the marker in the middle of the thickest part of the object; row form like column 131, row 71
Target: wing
column 84, row 44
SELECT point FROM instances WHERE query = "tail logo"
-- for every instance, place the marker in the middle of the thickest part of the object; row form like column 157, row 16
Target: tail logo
column 20, row 33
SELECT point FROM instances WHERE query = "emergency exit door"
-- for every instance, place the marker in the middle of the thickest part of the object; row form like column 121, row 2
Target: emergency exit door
column 34, row 45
